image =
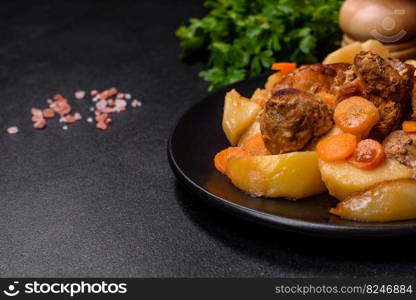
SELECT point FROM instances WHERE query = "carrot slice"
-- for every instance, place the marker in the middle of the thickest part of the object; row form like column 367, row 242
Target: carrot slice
column 284, row 67
column 409, row 126
column 222, row 157
column 369, row 154
column 337, row 147
column 255, row 145
column 327, row 98
column 356, row 115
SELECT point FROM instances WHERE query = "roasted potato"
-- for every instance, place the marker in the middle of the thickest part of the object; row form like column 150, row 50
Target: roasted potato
column 342, row 179
column 252, row 130
column 387, row 201
column 343, row 55
column 347, row 54
column 375, row 47
column 294, row 175
column 273, row 79
column 260, row 96
column 239, row 114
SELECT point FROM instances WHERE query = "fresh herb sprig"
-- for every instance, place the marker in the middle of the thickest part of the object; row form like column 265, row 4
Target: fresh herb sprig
column 242, row 38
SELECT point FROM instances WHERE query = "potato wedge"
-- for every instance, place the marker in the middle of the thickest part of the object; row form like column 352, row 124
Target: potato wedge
column 344, row 55
column 413, row 63
column 273, row 79
column 252, row 130
column 347, row 54
column 375, row 47
column 260, row 96
column 294, row 175
column 387, row 201
column 342, row 179
column 239, row 114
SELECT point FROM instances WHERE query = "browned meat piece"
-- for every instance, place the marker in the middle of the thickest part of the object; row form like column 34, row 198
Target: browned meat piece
column 314, row 78
column 292, row 118
column 387, row 83
column 401, row 146
column 414, row 99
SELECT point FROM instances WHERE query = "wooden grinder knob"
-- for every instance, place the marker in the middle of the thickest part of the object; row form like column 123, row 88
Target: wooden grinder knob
column 391, row 22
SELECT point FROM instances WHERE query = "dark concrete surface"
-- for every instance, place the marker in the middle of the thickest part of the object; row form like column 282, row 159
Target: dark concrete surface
column 86, row 203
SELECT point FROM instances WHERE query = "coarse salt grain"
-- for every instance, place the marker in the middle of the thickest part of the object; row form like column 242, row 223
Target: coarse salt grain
column 48, row 113
column 120, row 103
column 101, row 104
column 65, row 127
column 40, row 124
column 36, row 112
column 101, row 125
column 13, row 130
column 127, row 96
column 136, row 103
column 77, row 116
column 79, row 95
column 89, row 120
column 70, row 119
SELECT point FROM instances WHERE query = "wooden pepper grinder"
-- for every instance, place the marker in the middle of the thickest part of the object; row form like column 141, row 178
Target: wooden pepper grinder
column 392, row 22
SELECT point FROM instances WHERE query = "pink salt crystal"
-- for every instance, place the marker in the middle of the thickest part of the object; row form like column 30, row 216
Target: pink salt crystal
column 94, row 93
column 13, row 130
column 101, row 104
column 49, row 101
column 120, row 103
column 36, row 112
column 40, row 124
column 79, row 95
column 120, row 95
column 136, row 103
column 107, row 110
column 77, row 116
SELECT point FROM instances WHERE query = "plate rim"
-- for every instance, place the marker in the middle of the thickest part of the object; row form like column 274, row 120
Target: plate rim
column 271, row 220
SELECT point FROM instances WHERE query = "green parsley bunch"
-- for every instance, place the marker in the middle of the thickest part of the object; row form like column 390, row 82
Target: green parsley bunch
column 242, row 38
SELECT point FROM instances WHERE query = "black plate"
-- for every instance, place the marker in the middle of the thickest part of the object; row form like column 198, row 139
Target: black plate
column 192, row 146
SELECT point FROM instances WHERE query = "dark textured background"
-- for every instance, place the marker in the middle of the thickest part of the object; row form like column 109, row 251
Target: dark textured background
column 87, row 203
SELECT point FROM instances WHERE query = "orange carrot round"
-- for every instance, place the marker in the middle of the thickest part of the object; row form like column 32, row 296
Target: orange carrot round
column 409, row 126
column 255, row 145
column 356, row 115
column 284, row 67
column 337, row 147
column 369, row 154
column 327, row 98
column 222, row 157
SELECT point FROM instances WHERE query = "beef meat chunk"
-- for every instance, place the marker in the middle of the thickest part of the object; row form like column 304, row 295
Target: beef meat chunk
column 314, row 78
column 292, row 118
column 401, row 146
column 388, row 83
